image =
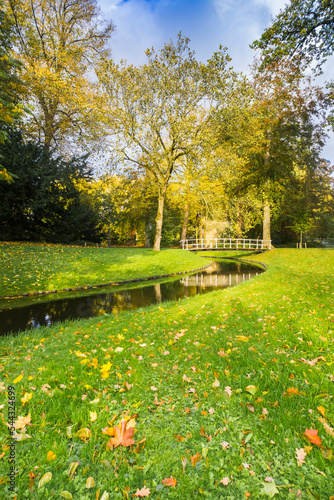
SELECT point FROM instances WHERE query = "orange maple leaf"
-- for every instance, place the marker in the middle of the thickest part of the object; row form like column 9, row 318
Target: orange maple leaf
column 144, row 492
column 123, row 436
column 169, row 481
column 195, row 458
column 312, row 435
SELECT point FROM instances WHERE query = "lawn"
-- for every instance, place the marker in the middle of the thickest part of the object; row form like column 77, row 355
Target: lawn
column 230, row 395
column 34, row 268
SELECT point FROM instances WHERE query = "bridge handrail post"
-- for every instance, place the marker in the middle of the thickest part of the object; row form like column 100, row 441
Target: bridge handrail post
column 257, row 243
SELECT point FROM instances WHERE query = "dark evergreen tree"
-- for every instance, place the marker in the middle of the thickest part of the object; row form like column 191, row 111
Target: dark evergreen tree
column 44, row 203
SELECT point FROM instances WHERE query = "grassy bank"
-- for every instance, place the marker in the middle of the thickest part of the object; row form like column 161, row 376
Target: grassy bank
column 221, row 388
column 34, row 268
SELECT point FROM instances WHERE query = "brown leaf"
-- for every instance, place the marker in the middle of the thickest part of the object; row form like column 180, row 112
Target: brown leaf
column 209, row 438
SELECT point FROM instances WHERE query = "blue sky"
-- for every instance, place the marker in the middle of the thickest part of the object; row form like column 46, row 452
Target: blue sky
column 141, row 24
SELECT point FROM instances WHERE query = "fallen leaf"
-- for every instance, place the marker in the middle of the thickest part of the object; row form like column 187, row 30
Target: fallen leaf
column 92, row 416
column 195, row 458
column 123, row 436
column 250, row 407
column 269, row 489
column 72, row 469
column 27, row 396
column 228, row 390
column 50, row 456
column 66, row 494
column 251, row 389
column 84, row 434
column 45, row 479
column 144, row 492
column 312, row 436
column 184, row 463
column 90, row 483
column 225, row 481
column 216, row 383
column 20, row 377
column 300, row 455
column 169, row 481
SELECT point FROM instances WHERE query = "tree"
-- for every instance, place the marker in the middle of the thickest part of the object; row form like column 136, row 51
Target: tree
column 280, row 126
column 44, row 202
column 303, row 29
column 307, row 205
column 60, row 43
column 159, row 111
column 11, row 88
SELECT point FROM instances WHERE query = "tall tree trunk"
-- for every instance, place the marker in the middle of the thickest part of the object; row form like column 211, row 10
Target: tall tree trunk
column 266, row 221
column 147, row 239
column 266, row 204
column 159, row 218
column 185, row 221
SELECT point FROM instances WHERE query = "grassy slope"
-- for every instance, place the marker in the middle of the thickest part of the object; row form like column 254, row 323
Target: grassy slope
column 26, row 268
column 275, row 336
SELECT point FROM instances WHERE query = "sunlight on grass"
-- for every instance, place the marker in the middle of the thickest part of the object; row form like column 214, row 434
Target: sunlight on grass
column 229, row 393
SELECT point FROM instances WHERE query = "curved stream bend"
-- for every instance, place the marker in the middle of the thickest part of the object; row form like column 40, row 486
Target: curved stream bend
column 45, row 313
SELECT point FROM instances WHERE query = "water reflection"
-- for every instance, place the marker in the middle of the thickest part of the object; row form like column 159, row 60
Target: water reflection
column 218, row 275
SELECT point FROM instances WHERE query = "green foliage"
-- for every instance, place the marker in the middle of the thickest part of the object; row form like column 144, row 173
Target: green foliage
column 303, row 29
column 11, row 87
column 43, row 203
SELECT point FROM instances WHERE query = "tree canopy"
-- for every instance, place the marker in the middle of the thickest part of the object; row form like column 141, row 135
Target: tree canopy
column 303, row 29
column 159, row 111
column 60, row 43
column 44, row 202
column 11, row 87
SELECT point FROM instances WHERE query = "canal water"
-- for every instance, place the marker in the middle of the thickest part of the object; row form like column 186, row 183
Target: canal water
column 44, row 312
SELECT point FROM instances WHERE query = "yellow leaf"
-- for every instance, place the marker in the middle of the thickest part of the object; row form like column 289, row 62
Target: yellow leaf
column 27, row 396
column 93, row 415
column 45, row 479
column 50, row 456
column 90, row 483
column 20, row 377
column 84, row 433
column 242, row 338
column 216, row 383
column 322, row 410
column 80, row 354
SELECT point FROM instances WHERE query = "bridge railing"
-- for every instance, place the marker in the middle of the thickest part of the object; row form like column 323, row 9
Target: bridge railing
column 226, row 243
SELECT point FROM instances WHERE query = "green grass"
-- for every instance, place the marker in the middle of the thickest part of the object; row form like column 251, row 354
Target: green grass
column 34, row 268
column 275, row 337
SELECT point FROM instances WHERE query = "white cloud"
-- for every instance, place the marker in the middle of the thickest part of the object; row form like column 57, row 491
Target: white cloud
column 273, row 6
column 223, row 6
column 136, row 29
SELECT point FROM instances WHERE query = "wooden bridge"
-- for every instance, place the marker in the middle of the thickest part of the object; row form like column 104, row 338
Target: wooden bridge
column 225, row 244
